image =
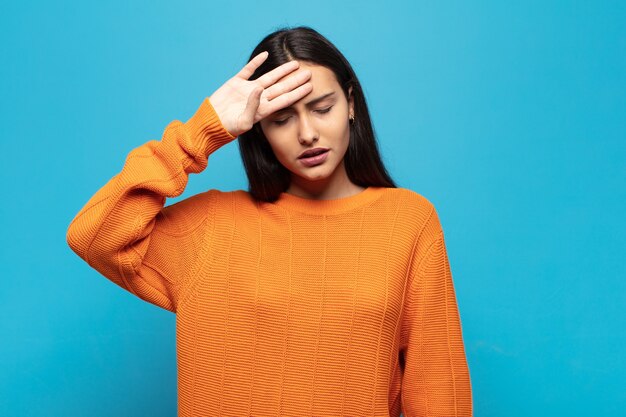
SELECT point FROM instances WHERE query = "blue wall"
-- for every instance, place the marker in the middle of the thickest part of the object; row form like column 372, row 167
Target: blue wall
column 509, row 117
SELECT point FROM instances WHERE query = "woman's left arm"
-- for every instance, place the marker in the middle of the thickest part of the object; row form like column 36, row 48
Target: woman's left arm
column 436, row 379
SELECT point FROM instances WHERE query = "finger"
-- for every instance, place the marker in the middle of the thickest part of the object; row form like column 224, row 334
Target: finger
column 289, row 98
column 253, row 103
column 287, row 84
column 277, row 73
column 248, row 69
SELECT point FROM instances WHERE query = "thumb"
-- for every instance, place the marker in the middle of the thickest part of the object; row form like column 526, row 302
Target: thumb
column 254, row 99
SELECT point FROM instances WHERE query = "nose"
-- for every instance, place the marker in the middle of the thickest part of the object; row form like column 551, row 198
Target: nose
column 307, row 132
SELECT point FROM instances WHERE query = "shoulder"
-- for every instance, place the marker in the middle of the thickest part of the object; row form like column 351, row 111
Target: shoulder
column 418, row 213
column 412, row 202
column 221, row 198
column 188, row 213
column 411, row 197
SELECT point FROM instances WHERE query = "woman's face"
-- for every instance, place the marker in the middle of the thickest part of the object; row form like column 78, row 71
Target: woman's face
column 318, row 120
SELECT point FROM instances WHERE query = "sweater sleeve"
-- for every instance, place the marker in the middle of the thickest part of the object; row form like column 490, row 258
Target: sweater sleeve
column 125, row 232
column 436, row 379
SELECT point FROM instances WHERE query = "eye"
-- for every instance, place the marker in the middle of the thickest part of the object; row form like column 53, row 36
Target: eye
column 280, row 122
column 326, row 110
column 283, row 121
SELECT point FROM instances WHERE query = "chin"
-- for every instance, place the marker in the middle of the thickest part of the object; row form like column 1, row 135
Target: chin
column 316, row 173
column 317, row 176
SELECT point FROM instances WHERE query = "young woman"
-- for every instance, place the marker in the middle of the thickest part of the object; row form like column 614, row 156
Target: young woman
column 323, row 290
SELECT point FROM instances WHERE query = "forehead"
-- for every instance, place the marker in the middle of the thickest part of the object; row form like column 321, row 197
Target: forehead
column 322, row 78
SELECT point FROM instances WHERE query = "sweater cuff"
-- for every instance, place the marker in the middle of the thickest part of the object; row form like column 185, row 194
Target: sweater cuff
column 206, row 128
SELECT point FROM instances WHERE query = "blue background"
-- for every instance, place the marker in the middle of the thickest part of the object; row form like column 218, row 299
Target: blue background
column 509, row 117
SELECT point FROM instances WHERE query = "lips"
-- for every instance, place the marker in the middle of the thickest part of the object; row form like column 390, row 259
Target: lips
column 312, row 152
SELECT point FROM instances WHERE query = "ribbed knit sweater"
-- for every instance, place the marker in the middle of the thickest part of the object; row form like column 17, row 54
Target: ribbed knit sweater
column 299, row 307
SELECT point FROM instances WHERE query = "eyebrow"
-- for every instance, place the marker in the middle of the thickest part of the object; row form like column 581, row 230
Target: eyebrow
column 308, row 104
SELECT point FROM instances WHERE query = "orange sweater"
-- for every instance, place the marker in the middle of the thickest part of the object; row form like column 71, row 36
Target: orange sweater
column 300, row 307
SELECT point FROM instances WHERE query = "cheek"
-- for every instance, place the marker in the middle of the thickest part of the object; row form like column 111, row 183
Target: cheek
column 336, row 133
column 341, row 133
column 280, row 148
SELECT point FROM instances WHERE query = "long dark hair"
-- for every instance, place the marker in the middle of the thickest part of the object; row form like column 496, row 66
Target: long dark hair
column 267, row 177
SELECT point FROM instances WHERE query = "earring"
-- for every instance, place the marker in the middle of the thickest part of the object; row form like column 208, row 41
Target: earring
column 351, row 119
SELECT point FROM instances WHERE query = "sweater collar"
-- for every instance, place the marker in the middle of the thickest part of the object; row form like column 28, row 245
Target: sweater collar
column 333, row 206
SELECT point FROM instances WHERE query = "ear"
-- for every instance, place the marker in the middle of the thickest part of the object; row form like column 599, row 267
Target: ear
column 350, row 100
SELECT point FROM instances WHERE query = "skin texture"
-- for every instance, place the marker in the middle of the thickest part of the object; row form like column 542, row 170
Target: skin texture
column 290, row 131
column 284, row 94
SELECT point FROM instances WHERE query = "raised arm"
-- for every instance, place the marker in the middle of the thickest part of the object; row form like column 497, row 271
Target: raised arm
column 115, row 228
column 436, row 380
column 125, row 231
